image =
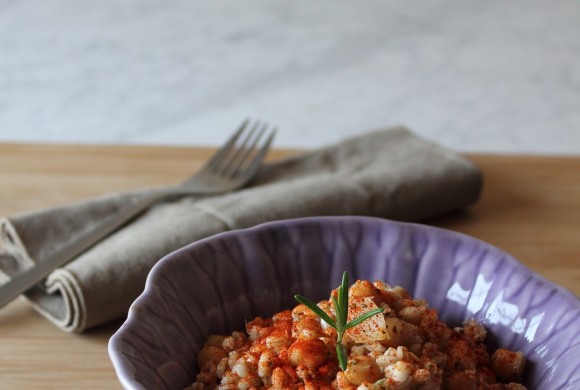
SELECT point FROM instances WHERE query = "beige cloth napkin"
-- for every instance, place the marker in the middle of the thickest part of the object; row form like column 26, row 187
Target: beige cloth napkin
column 390, row 173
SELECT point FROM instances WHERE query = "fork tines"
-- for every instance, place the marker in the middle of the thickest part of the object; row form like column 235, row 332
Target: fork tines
column 244, row 150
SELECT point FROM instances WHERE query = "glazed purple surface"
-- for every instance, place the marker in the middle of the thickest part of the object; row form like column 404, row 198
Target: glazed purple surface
column 215, row 285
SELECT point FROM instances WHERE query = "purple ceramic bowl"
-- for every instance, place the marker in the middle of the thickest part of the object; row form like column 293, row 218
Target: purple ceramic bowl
column 216, row 284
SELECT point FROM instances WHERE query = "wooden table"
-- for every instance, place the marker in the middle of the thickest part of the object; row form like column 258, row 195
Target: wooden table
column 530, row 207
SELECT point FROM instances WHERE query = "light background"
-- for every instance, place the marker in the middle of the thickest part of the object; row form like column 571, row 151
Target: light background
column 487, row 76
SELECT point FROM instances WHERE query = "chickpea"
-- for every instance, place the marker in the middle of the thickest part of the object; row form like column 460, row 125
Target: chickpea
column 248, row 382
column 280, row 379
column 342, row 383
column 235, row 341
column 233, row 357
column 363, row 288
column 461, row 356
column 387, row 358
column 382, row 285
column 401, row 372
column 215, row 340
column 311, row 353
column 362, row 369
column 508, row 365
column 406, row 356
column 357, row 350
column 265, row 364
column 282, row 317
column 210, row 354
column 411, row 314
column 307, row 327
column 436, row 331
column 486, row 375
column 241, row 368
column 328, row 309
column 474, row 331
column 422, row 375
column 401, row 292
column 277, row 343
column 259, row 327
column 229, row 378
column 462, row 380
column 301, row 311
column 222, row 367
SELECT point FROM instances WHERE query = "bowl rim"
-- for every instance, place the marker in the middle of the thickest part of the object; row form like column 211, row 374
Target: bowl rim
column 121, row 364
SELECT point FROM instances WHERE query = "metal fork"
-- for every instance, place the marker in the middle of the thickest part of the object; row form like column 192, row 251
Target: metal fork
column 230, row 168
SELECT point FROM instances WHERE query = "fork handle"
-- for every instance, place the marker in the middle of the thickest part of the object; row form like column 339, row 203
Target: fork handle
column 26, row 279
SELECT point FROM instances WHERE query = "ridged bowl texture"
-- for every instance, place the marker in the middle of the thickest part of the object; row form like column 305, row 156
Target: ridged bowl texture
column 215, row 285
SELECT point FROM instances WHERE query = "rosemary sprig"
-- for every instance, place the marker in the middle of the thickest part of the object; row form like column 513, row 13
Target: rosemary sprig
column 340, row 303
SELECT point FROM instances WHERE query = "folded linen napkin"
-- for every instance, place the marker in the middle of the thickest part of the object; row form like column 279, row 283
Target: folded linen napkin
column 390, row 173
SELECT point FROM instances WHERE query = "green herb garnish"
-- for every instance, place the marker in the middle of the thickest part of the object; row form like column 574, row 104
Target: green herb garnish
column 340, row 304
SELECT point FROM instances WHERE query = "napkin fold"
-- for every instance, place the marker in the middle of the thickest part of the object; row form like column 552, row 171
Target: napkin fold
column 390, row 173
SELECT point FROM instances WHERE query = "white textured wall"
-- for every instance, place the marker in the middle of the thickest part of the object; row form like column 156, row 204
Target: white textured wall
column 491, row 76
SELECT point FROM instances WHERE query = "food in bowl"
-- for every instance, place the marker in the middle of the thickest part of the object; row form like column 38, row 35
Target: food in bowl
column 218, row 284
column 391, row 341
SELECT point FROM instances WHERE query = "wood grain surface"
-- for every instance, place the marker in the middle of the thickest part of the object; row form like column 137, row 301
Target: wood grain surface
column 530, row 207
